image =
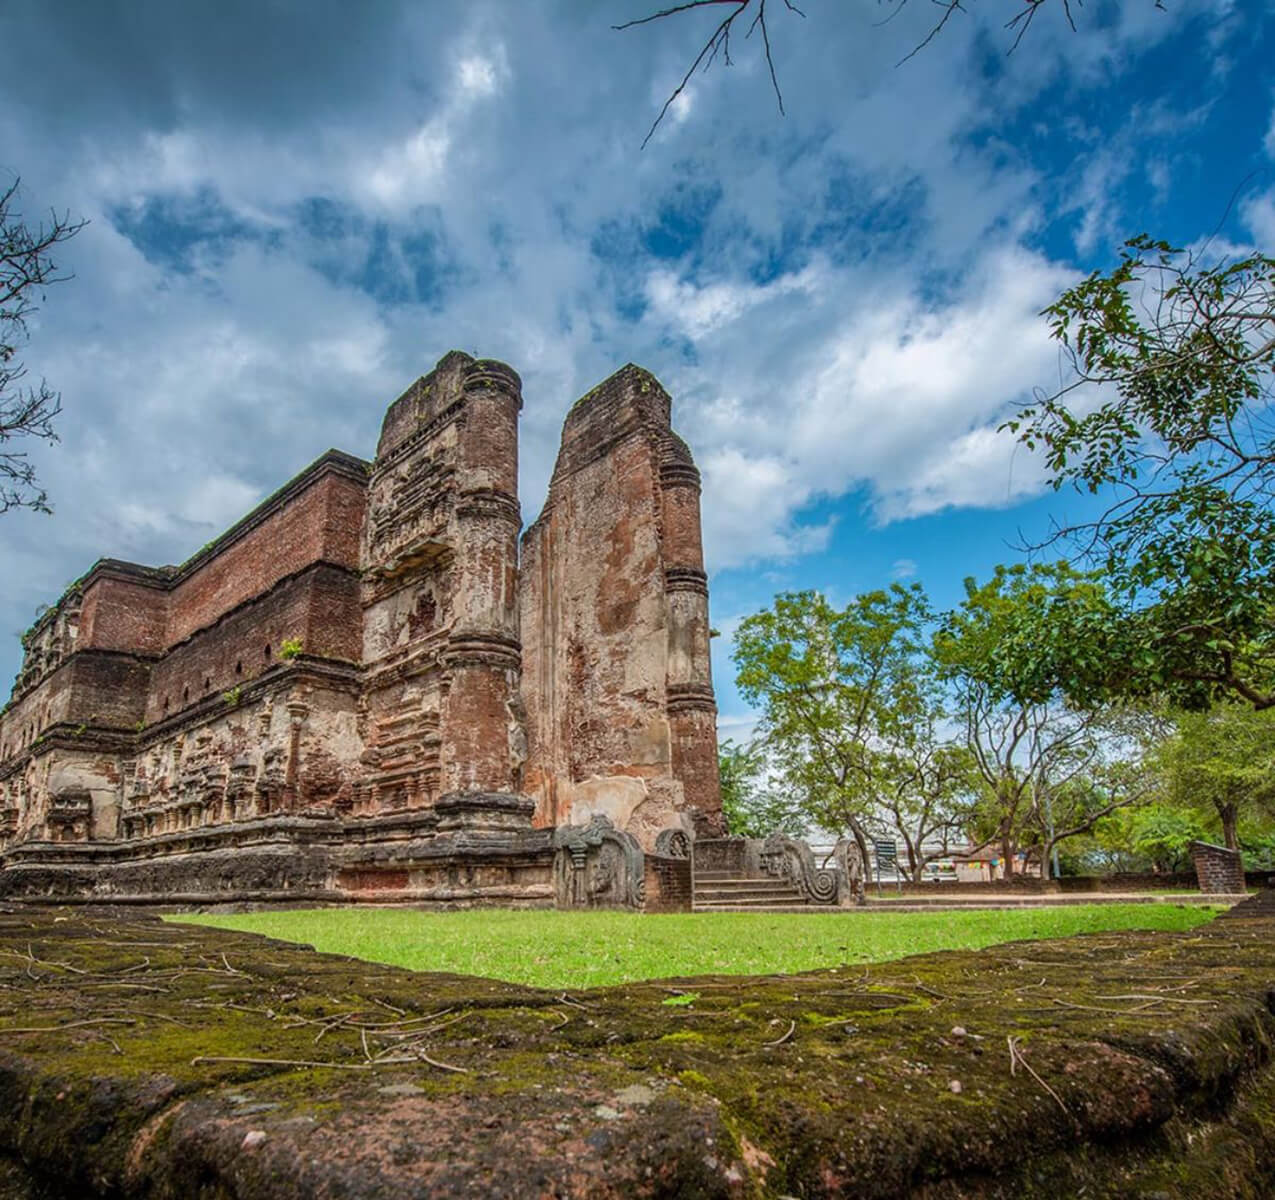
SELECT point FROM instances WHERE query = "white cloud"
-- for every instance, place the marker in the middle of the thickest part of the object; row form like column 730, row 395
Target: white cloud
column 700, row 309
column 842, row 305
column 1258, row 213
column 882, row 388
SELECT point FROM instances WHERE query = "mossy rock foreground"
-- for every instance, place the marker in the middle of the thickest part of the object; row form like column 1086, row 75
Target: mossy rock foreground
column 146, row 1059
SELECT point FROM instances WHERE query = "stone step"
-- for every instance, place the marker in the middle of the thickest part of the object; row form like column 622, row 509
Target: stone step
column 711, row 889
column 750, row 898
column 727, row 884
column 767, row 900
column 764, row 908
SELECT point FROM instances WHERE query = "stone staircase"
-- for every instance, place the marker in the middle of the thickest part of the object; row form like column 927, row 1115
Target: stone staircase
column 720, row 891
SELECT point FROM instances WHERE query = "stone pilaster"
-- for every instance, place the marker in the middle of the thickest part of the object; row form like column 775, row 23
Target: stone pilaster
column 692, row 712
column 483, row 737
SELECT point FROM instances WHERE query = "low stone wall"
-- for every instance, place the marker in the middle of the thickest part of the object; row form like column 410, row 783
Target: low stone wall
column 1131, row 881
column 403, row 858
column 139, row 1058
column 289, row 859
column 727, row 855
column 1015, row 886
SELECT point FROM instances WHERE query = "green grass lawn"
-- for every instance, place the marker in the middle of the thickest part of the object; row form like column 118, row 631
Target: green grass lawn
column 590, row 949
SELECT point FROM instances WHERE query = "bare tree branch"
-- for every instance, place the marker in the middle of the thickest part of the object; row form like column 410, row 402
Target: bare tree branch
column 26, row 268
column 718, row 41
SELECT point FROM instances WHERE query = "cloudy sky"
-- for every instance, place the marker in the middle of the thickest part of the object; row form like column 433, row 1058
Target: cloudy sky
column 297, row 208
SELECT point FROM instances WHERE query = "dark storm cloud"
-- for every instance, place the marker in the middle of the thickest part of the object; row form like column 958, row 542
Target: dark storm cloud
column 107, row 63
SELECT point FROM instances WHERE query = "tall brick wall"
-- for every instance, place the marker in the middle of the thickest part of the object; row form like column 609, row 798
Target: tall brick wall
column 124, row 609
column 315, row 519
column 616, row 683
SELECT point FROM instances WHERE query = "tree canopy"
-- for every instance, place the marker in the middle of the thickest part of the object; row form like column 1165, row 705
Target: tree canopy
column 1168, row 414
column 882, row 717
column 851, row 709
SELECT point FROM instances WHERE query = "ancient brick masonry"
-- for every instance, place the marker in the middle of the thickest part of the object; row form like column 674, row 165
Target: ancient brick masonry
column 1219, row 871
column 615, row 630
column 358, row 690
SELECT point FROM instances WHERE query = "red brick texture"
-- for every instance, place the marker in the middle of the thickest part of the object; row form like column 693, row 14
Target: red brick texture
column 1219, row 870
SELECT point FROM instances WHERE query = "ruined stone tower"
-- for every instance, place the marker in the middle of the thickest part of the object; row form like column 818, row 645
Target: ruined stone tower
column 616, row 683
column 359, row 691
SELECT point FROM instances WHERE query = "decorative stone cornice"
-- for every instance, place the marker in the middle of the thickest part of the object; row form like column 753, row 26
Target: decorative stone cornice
column 488, row 373
column 486, row 648
column 686, row 579
column 490, row 502
column 690, row 697
column 679, row 474
column 391, row 458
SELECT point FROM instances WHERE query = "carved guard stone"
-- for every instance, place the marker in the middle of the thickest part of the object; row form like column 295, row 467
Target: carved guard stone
column 597, row 866
column 793, row 860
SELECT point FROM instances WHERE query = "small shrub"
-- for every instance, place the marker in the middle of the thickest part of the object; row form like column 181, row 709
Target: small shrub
column 289, row 648
column 234, row 696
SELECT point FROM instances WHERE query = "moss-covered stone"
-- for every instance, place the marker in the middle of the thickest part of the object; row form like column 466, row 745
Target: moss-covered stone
column 144, row 1059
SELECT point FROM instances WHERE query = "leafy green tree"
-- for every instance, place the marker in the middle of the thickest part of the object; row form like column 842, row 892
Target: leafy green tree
column 1223, row 761
column 1156, row 836
column 837, row 689
column 1168, row 415
column 1049, row 770
column 924, row 791
column 752, row 806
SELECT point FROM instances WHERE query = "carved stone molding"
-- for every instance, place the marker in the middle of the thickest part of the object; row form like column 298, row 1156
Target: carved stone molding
column 686, row 579
column 477, row 648
column 679, row 474
column 490, row 502
column 498, row 376
column 691, row 697
column 673, row 843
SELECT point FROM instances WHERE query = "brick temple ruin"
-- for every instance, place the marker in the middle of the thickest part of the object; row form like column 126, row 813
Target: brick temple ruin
column 364, row 690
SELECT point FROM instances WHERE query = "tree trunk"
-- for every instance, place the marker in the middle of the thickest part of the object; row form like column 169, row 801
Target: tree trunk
column 1007, row 854
column 861, row 841
column 1046, row 859
column 1230, row 826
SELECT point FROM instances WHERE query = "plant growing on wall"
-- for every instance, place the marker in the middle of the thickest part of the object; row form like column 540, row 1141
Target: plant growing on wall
column 289, row 648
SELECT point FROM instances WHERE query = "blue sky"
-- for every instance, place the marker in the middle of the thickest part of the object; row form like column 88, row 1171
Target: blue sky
column 295, row 210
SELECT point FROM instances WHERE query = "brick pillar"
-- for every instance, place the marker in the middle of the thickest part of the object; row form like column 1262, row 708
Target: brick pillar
column 1219, row 870
column 483, row 738
column 692, row 712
